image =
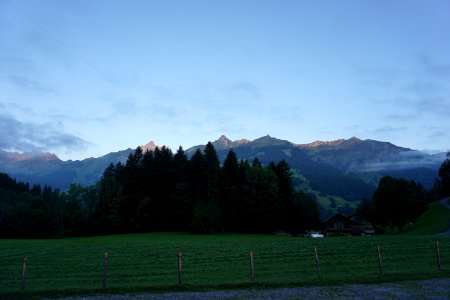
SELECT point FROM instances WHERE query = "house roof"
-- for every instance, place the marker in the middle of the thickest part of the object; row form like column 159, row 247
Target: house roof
column 354, row 219
column 336, row 216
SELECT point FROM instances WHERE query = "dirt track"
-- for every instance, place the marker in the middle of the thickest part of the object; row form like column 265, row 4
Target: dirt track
column 423, row 289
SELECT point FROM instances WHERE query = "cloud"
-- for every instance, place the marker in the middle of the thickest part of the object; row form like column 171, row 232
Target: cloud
column 422, row 88
column 25, row 83
column 236, row 93
column 149, row 109
column 432, row 67
column 398, row 165
column 244, row 89
column 400, row 117
column 426, row 96
column 438, row 136
column 10, row 64
column 124, row 80
column 20, row 136
column 436, row 105
column 405, row 160
column 389, row 129
column 382, row 133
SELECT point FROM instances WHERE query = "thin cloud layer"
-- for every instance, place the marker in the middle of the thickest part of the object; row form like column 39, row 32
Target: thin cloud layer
column 194, row 72
column 409, row 160
column 21, row 136
column 433, row 67
column 30, row 84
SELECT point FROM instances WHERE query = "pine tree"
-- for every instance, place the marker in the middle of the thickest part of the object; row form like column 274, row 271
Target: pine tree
column 397, row 201
column 212, row 168
column 285, row 195
column 230, row 191
column 256, row 163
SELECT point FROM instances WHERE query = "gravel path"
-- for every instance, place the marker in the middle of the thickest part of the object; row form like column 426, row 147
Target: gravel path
column 423, row 289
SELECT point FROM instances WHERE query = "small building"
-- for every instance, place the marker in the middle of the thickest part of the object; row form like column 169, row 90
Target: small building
column 353, row 225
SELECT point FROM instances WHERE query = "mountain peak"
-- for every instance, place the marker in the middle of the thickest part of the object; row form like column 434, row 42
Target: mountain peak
column 223, row 141
column 241, row 142
column 14, row 157
column 150, row 146
column 267, row 140
column 319, row 143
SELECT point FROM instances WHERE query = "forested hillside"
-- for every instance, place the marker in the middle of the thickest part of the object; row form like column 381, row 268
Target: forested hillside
column 157, row 190
column 29, row 212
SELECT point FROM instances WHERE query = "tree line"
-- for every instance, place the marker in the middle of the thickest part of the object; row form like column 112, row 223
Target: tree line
column 397, row 201
column 161, row 191
column 29, row 211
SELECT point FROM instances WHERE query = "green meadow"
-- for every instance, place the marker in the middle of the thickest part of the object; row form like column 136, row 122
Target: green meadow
column 436, row 219
column 146, row 262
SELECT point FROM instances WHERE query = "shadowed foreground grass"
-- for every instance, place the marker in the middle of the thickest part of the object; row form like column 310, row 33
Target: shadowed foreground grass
column 148, row 262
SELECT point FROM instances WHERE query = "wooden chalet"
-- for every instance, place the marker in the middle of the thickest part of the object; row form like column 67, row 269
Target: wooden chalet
column 353, row 225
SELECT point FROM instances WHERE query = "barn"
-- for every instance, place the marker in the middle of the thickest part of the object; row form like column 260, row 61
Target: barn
column 353, row 225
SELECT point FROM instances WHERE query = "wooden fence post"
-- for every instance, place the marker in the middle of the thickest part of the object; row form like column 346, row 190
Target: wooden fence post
column 180, row 269
column 252, row 266
column 438, row 257
column 379, row 260
column 316, row 255
column 24, row 273
column 105, row 270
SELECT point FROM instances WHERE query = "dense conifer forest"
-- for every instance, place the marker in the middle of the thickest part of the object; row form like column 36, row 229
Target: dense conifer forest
column 161, row 191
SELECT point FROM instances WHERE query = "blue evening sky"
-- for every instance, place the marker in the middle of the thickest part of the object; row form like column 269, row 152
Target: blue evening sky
column 87, row 77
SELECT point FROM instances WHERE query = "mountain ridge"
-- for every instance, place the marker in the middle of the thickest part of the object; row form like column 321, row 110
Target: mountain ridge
column 350, row 161
column 319, row 143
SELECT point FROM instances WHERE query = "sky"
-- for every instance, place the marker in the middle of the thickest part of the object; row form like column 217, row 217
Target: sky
column 84, row 78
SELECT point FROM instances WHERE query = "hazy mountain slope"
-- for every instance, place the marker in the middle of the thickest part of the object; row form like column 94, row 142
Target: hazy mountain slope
column 353, row 153
column 337, row 173
column 48, row 169
column 370, row 160
column 55, row 172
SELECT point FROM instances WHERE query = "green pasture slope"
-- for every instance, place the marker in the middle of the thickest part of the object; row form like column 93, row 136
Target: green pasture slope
column 148, row 262
column 434, row 220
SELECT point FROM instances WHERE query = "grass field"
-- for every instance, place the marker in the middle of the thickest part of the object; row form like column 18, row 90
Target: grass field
column 435, row 220
column 141, row 262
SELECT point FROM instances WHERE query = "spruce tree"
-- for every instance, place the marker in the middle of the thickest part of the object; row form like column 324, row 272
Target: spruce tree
column 230, row 186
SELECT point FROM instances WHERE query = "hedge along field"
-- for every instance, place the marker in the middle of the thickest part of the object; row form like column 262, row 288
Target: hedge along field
column 139, row 262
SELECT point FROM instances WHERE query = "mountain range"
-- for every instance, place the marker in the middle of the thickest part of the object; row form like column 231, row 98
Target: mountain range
column 337, row 173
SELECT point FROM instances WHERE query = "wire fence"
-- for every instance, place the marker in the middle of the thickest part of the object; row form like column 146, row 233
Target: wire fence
column 276, row 261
